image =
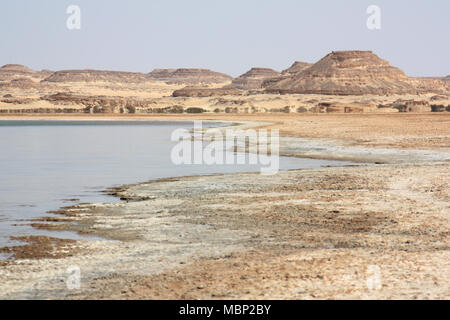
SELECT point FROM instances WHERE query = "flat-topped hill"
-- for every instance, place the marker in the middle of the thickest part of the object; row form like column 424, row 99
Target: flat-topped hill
column 296, row 67
column 89, row 75
column 352, row 72
column 16, row 68
column 188, row 76
column 254, row 78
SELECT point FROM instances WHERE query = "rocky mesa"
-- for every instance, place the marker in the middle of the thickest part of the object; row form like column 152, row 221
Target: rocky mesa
column 353, row 73
column 188, row 76
column 254, row 78
column 89, row 75
column 296, row 67
column 15, row 71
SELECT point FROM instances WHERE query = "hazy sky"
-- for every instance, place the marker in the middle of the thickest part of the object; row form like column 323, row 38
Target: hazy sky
column 229, row 36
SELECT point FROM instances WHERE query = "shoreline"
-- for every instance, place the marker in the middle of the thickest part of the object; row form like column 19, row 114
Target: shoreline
column 332, row 145
column 34, row 246
column 147, row 226
column 95, row 219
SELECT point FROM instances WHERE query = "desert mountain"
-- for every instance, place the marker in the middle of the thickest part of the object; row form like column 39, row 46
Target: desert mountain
column 89, row 75
column 16, row 68
column 46, row 73
column 14, row 71
column 188, row 76
column 20, row 76
column 296, row 67
column 20, row 83
column 353, row 73
column 161, row 74
column 254, row 78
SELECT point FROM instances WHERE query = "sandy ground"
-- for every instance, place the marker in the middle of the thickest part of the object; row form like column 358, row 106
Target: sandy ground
column 154, row 94
column 367, row 231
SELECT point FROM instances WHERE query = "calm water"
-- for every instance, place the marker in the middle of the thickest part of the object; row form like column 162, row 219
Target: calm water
column 44, row 164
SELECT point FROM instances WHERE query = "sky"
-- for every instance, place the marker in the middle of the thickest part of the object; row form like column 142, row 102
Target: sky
column 229, row 36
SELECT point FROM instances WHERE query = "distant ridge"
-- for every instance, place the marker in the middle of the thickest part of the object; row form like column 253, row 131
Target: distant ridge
column 17, row 68
column 296, row 67
column 353, row 72
column 89, row 75
column 188, row 76
column 254, row 78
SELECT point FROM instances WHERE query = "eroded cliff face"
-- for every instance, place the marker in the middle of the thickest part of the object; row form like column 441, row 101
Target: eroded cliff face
column 254, row 78
column 343, row 81
column 296, row 67
column 354, row 73
column 188, row 76
column 18, row 79
column 16, row 69
column 10, row 72
column 96, row 76
column 99, row 104
column 19, row 83
column 205, row 92
column 161, row 74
